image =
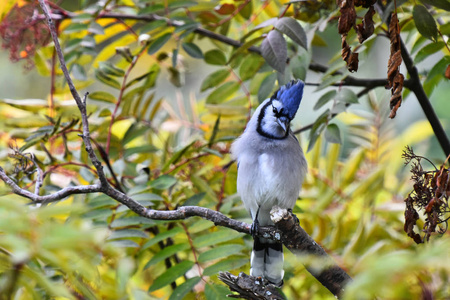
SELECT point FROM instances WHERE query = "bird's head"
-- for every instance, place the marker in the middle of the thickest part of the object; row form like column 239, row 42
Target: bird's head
column 282, row 107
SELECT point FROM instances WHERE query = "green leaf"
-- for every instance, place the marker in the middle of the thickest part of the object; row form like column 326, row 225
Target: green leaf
column 214, row 238
column 214, row 132
column 274, row 50
column 443, row 4
column 124, row 244
column 181, row 291
column 140, row 149
column 163, row 182
column 162, row 236
column 152, row 8
column 266, row 87
column 194, row 200
column 214, row 79
column 223, row 92
column 96, row 29
column 247, row 10
column 225, row 265
column 133, row 132
column 220, row 252
column 427, row 50
column 181, row 3
column 215, row 57
column 76, row 27
column 292, row 29
column 216, row 292
column 244, row 47
column 176, row 156
column 102, row 77
column 78, row 72
column 439, row 68
column 332, row 134
column 103, row 96
column 330, row 80
column 127, row 233
column 193, row 50
column 149, row 27
column 32, row 105
column 346, row 96
column 131, row 221
column 445, row 29
column 250, row 66
column 171, row 275
column 110, row 69
column 165, row 253
column 425, row 23
column 324, row 99
column 318, row 127
column 147, row 197
column 188, row 27
column 158, row 43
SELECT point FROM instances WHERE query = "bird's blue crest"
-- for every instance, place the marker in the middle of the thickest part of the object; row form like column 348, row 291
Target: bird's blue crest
column 291, row 96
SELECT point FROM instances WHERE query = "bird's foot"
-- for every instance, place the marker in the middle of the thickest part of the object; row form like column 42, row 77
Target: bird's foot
column 254, row 229
column 293, row 215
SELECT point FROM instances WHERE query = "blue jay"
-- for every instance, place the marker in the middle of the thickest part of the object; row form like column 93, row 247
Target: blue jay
column 271, row 168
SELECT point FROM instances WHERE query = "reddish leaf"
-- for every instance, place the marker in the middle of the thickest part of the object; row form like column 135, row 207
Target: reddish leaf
column 225, row 9
column 447, row 72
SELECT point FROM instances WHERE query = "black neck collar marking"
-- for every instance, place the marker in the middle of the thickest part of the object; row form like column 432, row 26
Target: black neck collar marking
column 259, row 128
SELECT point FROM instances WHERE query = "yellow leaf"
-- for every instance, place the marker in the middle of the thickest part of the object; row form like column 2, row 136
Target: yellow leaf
column 7, row 5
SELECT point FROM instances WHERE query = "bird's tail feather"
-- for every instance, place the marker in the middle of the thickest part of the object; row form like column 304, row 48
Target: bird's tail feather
column 267, row 260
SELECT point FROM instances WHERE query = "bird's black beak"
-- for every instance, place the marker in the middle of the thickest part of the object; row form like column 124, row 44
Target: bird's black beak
column 284, row 123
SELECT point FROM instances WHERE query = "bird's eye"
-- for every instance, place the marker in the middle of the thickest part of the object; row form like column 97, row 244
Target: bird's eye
column 275, row 111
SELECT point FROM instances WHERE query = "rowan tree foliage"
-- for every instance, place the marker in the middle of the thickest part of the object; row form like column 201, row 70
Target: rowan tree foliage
column 119, row 184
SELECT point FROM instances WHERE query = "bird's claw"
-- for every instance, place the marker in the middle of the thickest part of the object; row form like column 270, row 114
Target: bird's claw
column 294, row 216
column 254, row 229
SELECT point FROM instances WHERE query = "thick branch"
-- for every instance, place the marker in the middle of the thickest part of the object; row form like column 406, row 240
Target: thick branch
column 322, row 267
column 417, row 89
column 294, row 237
column 250, row 287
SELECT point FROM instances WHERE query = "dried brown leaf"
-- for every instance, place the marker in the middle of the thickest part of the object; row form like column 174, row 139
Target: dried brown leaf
column 348, row 56
column 430, row 196
column 395, row 78
column 348, row 16
column 411, row 217
column 366, row 28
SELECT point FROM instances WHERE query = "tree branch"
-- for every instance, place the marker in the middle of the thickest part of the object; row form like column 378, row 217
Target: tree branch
column 294, row 237
column 424, row 101
column 348, row 81
column 415, row 85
